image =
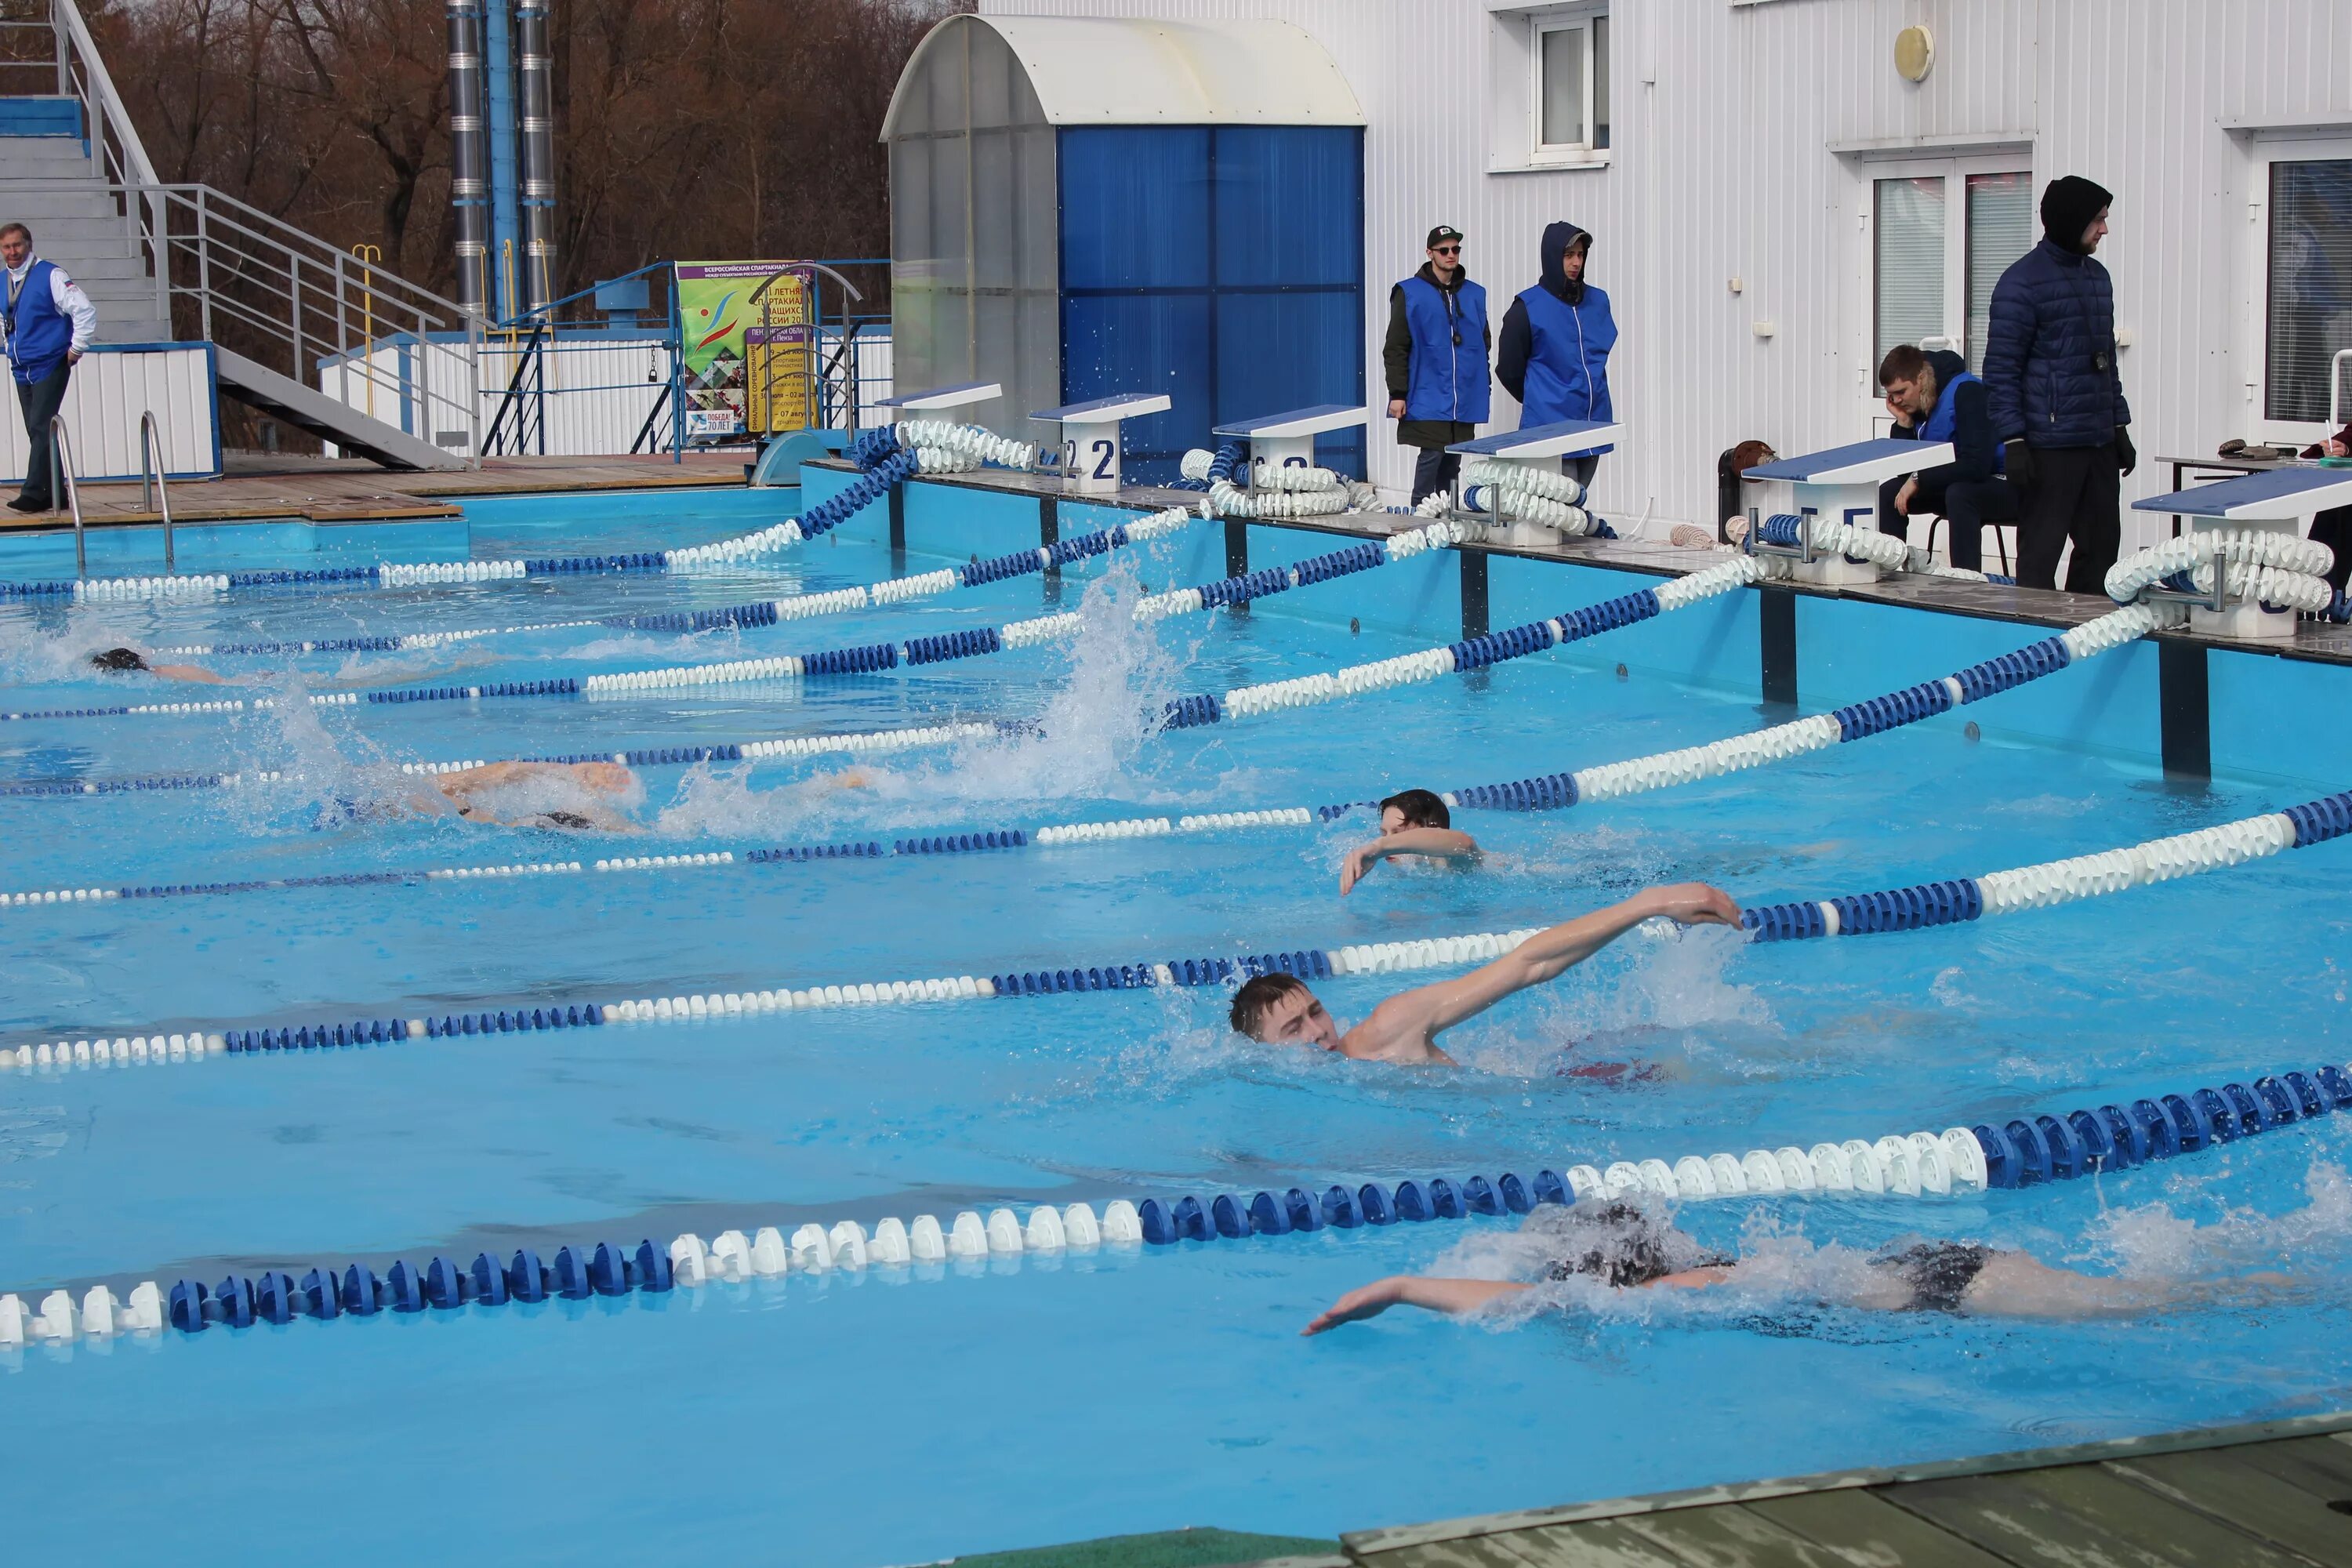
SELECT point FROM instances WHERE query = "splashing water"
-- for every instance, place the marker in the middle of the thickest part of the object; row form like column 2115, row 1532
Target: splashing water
column 1092, row 733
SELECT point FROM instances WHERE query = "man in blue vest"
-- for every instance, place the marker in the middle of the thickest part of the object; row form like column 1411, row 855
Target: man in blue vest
column 1554, row 355
column 1934, row 398
column 1436, row 357
column 48, row 323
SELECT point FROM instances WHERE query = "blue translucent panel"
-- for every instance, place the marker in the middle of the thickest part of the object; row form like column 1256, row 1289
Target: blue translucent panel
column 1289, row 205
column 1135, row 207
column 1221, row 267
column 1293, row 349
column 1142, row 343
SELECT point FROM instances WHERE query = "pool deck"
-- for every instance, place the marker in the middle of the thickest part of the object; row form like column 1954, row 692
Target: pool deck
column 2315, row 640
column 352, row 489
column 2275, row 1495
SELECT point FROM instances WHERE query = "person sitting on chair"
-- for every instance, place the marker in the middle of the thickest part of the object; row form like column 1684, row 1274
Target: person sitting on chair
column 1933, row 397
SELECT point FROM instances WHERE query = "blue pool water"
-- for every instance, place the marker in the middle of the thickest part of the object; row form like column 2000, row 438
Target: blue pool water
column 907, row 1413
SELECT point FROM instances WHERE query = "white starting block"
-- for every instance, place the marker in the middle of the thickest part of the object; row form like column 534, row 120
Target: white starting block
column 1841, row 484
column 943, row 397
column 1287, row 440
column 1536, row 446
column 2278, row 500
column 1090, row 445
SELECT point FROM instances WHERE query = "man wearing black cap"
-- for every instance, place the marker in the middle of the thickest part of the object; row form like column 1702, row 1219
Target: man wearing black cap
column 1436, row 357
column 2057, row 396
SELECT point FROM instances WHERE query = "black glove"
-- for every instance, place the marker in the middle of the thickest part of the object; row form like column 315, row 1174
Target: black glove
column 2016, row 462
column 2126, row 455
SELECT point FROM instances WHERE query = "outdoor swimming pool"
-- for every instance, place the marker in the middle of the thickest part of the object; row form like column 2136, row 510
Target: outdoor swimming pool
column 899, row 1414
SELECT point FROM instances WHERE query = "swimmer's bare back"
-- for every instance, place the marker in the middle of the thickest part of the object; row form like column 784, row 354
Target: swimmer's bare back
column 464, row 788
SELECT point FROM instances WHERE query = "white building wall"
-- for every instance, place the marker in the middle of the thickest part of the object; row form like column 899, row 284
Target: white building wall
column 1746, row 138
column 109, row 391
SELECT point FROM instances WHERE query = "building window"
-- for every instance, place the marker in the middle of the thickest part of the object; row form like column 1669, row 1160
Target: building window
column 1942, row 237
column 2310, row 265
column 2002, row 222
column 1571, row 85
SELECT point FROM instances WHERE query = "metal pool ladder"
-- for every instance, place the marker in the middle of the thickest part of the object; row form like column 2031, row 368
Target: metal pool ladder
column 152, row 487
column 61, row 467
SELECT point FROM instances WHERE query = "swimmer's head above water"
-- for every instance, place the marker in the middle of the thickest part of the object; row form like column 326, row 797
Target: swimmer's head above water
column 1414, row 808
column 1280, row 1010
column 119, row 658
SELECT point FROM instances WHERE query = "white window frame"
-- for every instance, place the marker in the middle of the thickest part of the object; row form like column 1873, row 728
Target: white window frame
column 1954, row 169
column 2254, row 336
column 1540, row 26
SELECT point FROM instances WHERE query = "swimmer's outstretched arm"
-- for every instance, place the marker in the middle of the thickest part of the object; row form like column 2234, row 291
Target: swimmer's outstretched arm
column 1419, row 1015
column 1458, row 1296
column 195, row 673
column 1434, row 843
column 1421, row 1290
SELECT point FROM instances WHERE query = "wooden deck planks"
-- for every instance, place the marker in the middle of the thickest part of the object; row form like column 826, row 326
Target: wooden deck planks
column 1858, row 1527
column 2246, row 1489
column 2272, row 1495
column 2081, row 1516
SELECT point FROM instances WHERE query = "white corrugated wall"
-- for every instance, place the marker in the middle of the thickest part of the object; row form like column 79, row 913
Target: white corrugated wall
column 108, row 390
column 1724, row 117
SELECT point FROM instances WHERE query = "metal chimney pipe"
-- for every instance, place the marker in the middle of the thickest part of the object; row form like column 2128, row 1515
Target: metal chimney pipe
column 470, row 191
column 534, row 76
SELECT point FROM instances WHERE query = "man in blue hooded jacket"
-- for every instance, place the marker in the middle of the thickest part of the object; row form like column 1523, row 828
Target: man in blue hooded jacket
column 2057, row 394
column 1554, row 353
column 1435, row 361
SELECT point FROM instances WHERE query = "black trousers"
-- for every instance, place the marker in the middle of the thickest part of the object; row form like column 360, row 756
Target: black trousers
column 2076, row 494
column 2333, row 527
column 41, row 401
column 1968, row 507
column 1581, row 469
column 1433, row 471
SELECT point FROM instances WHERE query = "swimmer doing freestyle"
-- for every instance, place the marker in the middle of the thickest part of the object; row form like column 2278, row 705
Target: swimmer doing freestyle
column 1626, row 1248
column 1415, row 823
column 124, row 660
column 1278, row 1010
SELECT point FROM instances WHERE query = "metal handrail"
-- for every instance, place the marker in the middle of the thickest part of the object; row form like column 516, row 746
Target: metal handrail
column 74, row 31
column 296, row 291
column 524, row 364
column 61, row 471
column 150, row 431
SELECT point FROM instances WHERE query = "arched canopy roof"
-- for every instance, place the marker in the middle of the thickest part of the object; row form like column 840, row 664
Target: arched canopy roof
column 1088, row 70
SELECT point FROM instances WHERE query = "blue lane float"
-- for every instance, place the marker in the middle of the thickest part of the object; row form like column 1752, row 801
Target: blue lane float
column 575, row 1274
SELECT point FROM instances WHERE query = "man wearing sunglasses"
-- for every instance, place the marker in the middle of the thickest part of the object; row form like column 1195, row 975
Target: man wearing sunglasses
column 1436, row 357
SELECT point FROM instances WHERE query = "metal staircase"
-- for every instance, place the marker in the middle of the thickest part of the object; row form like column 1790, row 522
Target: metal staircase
column 175, row 262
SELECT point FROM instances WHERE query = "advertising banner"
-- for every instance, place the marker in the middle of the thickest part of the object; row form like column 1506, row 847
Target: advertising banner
column 737, row 384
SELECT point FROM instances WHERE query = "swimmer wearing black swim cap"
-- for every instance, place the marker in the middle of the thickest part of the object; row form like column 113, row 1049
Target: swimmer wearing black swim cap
column 125, row 661
column 1626, row 1247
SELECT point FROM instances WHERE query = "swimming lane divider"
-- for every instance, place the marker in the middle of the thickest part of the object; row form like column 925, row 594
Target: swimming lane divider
column 2053, row 882
column 887, row 470
column 975, row 642
column 1362, row 556
column 575, row 1274
column 863, row 743
column 884, row 461
column 2022, row 1153
column 765, row 612
column 1472, row 653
